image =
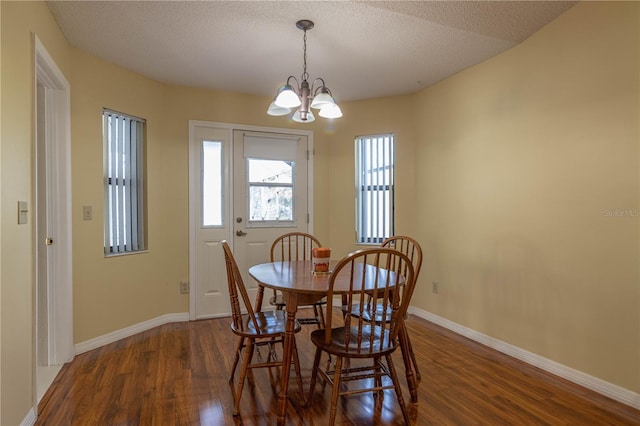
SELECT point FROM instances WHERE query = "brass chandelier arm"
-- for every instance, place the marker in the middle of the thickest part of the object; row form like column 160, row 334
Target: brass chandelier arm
column 315, row 89
column 297, row 86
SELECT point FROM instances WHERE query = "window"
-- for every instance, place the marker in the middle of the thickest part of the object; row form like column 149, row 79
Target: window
column 124, row 183
column 211, row 183
column 374, row 188
column 270, row 190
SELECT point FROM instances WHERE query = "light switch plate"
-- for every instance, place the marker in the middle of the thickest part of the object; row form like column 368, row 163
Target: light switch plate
column 23, row 209
column 87, row 213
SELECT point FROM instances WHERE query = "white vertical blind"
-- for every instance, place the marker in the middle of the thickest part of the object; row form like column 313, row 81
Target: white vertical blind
column 123, row 183
column 375, row 188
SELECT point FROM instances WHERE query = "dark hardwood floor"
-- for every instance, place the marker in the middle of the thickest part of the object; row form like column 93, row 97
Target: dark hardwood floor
column 177, row 374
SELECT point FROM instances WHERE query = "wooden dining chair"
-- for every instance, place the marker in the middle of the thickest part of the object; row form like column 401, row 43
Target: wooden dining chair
column 412, row 249
column 377, row 277
column 256, row 330
column 296, row 246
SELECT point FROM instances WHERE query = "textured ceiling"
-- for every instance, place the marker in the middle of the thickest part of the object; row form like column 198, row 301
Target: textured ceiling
column 362, row 49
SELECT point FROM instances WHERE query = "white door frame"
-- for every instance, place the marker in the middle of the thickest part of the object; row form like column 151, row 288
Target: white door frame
column 59, row 277
column 194, row 197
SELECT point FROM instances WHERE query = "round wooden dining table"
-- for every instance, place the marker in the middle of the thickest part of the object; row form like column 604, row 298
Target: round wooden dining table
column 299, row 287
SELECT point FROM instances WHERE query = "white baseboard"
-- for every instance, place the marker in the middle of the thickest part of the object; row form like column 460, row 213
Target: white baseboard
column 610, row 390
column 114, row 336
column 30, row 419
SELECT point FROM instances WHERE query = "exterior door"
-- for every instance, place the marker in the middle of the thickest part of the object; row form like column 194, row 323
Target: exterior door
column 246, row 187
column 270, row 194
column 210, row 157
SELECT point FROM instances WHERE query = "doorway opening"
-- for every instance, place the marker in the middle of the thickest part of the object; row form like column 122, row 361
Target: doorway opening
column 53, row 331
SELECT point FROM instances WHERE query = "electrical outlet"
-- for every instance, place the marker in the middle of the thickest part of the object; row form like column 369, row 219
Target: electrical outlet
column 435, row 287
column 184, row 287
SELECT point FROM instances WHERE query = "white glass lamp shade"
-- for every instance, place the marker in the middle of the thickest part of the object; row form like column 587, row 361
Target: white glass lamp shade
column 322, row 99
column 330, row 111
column 297, row 118
column 275, row 110
column 287, row 97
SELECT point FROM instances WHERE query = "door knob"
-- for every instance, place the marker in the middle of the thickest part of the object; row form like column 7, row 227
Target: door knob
column 239, row 233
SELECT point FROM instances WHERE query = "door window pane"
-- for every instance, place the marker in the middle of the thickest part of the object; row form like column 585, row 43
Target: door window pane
column 270, row 190
column 211, row 183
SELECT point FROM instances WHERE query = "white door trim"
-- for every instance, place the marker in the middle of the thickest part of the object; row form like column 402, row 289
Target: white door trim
column 194, row 197
column 58, row 148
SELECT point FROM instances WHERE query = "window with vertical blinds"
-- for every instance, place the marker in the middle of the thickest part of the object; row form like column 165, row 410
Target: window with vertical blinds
column 124, row 189
column 374, row 188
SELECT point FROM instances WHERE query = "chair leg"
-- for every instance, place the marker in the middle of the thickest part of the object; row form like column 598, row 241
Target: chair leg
column 271, row 350
column 321, row 314
column 413, row 358
column 377, row 377
column 296, row 368
column 234, row 393
column 314, row 374
column 237, row 358
column 243, row 375
column 396, row 387
column 406, row 357
column 316, row 316
column 251, row 353
column 335, row 392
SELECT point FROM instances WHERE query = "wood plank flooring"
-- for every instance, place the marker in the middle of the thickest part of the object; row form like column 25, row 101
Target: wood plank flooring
column 177, row 374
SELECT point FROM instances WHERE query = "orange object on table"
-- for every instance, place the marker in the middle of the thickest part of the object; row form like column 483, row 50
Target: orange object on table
column 321, row 258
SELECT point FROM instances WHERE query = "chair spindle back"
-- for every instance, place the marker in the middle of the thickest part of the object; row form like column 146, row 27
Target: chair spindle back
column 237, row 290
column 411, row 248
column 293, row 246
column 377, row 277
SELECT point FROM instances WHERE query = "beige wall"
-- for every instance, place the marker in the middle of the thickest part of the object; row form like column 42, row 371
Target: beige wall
column 387, row 115
column 19, row 20
column 116, row 292
column 504, row 174
column 113, row 293
column 521, row 162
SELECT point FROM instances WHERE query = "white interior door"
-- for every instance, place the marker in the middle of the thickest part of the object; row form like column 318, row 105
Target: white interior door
column 246, row 187
column 53, row 269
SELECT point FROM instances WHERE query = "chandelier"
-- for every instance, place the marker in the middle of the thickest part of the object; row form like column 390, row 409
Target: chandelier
column 302, row 95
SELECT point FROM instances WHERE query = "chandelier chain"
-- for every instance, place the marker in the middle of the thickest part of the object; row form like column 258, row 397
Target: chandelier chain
column 305, row 75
